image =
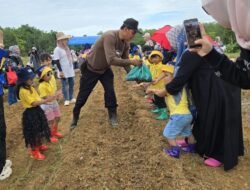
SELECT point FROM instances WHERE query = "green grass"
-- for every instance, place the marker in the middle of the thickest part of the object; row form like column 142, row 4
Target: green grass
column 25, row 60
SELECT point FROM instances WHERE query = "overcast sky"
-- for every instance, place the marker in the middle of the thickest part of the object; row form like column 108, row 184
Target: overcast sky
column 79, row 17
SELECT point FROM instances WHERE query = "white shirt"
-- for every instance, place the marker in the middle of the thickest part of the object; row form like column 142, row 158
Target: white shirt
column 149, row 43
column 67, row 67
column 74, row 55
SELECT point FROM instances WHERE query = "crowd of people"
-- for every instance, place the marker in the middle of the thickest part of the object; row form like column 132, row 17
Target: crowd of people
column 197, row 90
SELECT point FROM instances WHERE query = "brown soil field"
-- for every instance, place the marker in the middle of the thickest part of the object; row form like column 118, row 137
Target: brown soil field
column 96, row 156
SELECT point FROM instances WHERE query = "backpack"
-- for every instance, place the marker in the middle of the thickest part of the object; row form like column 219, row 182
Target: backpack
column 11, row 76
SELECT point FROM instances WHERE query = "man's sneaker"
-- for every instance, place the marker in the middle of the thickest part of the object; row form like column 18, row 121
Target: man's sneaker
column 66, row 103
column 6, row 172
column 72, row 101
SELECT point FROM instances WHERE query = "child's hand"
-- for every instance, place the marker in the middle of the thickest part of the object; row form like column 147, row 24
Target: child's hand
column 58, row 95
column 136, row 62
column 155, row 81
column 61, row 74
column 160, row 93
column 50, row 98
column 150, row 91
column 146, row 84
column 142, row 84
column 138, row 85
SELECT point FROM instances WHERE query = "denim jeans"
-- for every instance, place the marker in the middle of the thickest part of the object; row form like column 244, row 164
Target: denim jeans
column 76, row 65
column 67, row 88
column 178, row 125
column 12, row 95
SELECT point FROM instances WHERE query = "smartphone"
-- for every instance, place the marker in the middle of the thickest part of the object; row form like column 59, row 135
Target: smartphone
column 193, row 32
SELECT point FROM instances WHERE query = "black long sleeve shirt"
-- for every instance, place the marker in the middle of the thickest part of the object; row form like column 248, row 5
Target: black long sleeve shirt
column 237, row 73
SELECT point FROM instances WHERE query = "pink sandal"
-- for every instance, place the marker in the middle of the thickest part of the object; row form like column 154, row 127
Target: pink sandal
column 212, row 162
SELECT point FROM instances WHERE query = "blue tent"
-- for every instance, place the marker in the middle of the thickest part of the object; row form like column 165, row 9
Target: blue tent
column 83, row 40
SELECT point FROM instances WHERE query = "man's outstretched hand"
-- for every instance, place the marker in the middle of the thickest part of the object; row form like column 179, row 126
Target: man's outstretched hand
column 136, row 62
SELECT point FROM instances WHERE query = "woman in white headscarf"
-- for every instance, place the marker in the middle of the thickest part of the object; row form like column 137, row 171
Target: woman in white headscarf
column 233, row 14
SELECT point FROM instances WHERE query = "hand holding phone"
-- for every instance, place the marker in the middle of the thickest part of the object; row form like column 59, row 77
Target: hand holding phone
column 205, row 47
column 193, row 32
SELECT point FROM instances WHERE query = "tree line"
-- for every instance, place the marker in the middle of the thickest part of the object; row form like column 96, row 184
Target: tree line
column 227, row 36
column 27, row 36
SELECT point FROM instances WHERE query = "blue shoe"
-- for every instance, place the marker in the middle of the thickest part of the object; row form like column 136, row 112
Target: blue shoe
column 190, row 148
column 173, row 151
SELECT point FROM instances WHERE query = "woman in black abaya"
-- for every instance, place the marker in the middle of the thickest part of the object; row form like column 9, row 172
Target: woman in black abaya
column 218, row 127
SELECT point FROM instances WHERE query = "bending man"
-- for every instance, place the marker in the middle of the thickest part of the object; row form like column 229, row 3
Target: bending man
column 111, row 49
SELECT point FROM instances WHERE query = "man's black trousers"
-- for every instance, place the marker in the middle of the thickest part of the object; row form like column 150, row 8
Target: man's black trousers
column 87, row 82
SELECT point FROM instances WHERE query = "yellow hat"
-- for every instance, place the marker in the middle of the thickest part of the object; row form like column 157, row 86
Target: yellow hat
column 43, row 70
column 1, row 39
column 155, row 52
column 168, row 68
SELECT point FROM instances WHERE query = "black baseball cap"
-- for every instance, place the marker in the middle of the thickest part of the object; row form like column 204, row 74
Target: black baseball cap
column 132, row 24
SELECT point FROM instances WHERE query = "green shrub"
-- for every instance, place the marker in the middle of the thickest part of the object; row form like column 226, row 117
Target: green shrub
column 232, row 48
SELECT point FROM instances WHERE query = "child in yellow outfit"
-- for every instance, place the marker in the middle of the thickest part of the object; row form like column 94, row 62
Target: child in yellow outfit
column 155, row 68
column 46, row 60
column 179, row 123
column 35, row 124
column 47, row 87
